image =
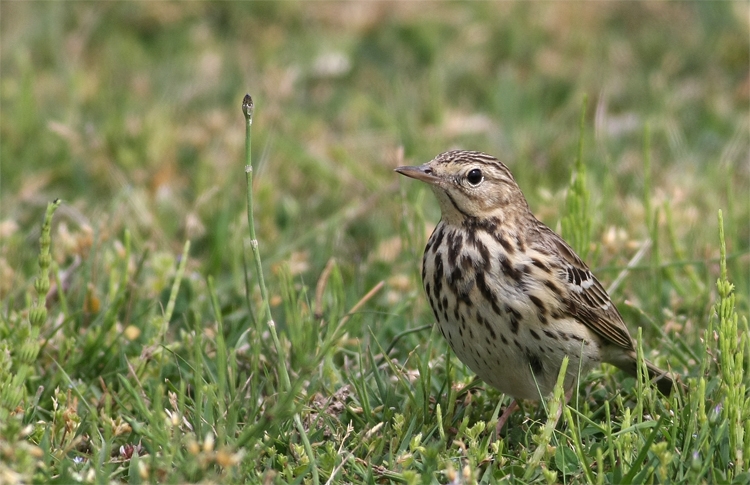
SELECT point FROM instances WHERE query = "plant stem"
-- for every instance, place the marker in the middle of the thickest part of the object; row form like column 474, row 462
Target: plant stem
column 247, row 110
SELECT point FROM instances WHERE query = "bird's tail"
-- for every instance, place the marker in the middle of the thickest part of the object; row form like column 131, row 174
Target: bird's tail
column 664, row 381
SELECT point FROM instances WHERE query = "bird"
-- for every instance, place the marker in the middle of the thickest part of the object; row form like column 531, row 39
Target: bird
column 510, row 296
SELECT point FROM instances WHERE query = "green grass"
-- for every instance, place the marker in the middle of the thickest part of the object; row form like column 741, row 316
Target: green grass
column 153, row 359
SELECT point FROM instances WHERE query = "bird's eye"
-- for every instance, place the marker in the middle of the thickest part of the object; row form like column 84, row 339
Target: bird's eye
column 474, row 176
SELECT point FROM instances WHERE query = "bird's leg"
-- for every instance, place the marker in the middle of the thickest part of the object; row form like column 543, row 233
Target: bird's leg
column 504, row 417
column 514, row 405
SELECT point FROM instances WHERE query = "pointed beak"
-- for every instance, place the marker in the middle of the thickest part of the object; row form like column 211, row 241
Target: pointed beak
column 422, row 172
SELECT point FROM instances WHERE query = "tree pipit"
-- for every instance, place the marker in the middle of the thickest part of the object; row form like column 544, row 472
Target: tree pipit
column 510, row 296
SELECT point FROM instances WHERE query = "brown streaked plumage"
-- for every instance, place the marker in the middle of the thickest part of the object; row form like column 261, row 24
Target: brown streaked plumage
column 512, row 297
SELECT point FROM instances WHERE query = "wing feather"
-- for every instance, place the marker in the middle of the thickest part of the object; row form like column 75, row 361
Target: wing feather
column 585, row 299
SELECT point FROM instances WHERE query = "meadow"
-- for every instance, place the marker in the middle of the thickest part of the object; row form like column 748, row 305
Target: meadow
column 152, row 330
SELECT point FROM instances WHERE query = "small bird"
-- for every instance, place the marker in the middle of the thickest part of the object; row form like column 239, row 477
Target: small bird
column 510, row 296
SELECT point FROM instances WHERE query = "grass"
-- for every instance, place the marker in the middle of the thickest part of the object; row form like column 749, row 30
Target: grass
column 136, row 344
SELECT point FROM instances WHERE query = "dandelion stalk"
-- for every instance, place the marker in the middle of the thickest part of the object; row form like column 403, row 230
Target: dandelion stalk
column 265, row 314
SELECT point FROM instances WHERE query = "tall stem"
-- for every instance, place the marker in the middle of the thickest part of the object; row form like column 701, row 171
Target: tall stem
column 265, row 315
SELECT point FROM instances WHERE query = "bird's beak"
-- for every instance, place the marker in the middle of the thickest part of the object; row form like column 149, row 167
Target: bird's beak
column 423, row 173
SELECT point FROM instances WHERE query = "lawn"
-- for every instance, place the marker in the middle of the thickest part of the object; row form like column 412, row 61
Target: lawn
column 136, row 344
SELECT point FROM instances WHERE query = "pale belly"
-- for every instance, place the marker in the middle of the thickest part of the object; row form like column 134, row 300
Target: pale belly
column 519, row 365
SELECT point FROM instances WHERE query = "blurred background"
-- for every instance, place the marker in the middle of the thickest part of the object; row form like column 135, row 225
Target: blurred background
column 130, row 112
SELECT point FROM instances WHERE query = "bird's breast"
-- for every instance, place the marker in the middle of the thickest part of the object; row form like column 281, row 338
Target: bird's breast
column 485, row 292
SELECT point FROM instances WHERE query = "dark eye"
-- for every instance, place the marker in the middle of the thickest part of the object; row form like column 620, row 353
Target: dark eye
column 474, row 176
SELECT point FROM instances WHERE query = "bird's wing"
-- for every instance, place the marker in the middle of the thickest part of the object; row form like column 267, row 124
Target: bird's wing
column 586, row 300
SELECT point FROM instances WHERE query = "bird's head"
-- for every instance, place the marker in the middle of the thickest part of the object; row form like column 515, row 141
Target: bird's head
column 470, row 185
